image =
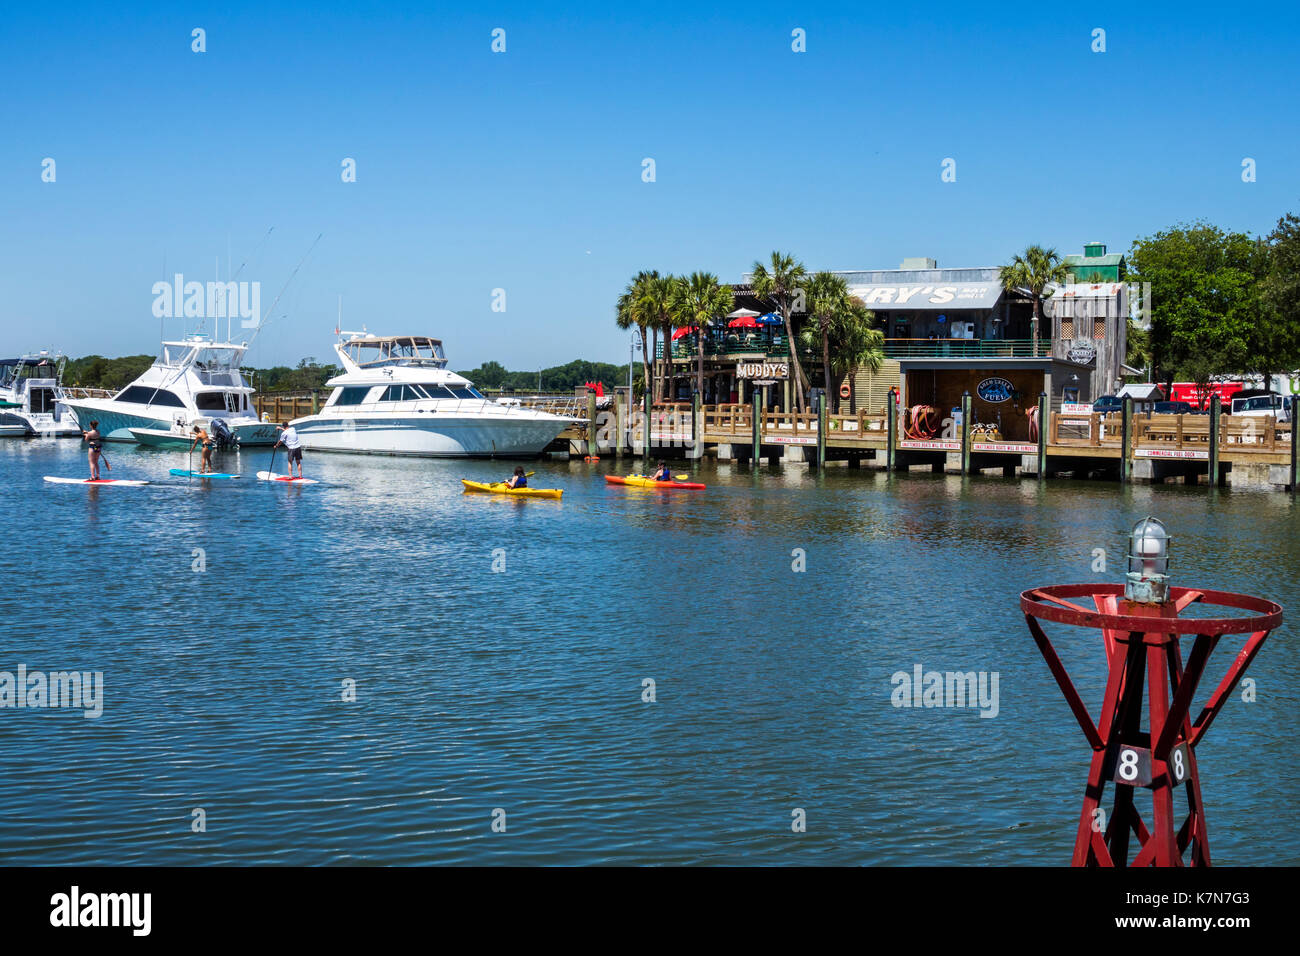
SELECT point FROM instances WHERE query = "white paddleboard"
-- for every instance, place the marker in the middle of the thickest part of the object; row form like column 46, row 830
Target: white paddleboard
column 87, row 481
column 272, row 476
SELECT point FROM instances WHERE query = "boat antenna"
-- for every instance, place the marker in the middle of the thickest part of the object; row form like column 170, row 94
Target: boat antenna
column 262, row 323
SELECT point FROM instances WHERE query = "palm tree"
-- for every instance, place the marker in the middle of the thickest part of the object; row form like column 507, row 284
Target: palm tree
column 1034, row 270
column 657, row 304
column 845, row 327
column 780, row 281
column 697, row 300
column 631, row 313
column 827, row 297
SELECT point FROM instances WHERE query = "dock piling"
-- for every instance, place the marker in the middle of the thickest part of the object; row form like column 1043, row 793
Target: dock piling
column 1042, row 436
column 965, row 432
column 1215, row 422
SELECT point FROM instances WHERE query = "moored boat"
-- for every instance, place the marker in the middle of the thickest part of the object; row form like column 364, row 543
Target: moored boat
column 194, row 381
column 397, row 397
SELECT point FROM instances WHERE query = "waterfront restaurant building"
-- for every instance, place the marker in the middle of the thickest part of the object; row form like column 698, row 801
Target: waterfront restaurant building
column 946, row 331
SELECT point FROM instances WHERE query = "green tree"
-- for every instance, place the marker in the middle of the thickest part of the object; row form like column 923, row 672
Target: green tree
column 780, row 280
column 1280, row 295
column 698, row 299
column 1207, row 315
column 1033, row 271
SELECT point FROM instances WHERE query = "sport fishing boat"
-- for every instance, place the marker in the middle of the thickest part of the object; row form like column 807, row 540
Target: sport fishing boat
column 397, row 397
column 32, row 397
column 194, row 381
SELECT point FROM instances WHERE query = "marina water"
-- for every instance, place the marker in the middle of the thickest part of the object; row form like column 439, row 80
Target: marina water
column 523, row 689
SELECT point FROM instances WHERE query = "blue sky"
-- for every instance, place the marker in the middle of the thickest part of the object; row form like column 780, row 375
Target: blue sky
column 522, row 170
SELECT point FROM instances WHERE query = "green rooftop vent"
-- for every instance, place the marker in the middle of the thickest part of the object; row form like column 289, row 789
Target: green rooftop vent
column 1094, row 249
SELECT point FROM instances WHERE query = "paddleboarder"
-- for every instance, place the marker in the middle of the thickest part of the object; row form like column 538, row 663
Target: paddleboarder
column 95, row 441
column 205, row 465
column 292, row 446
column 518, row 479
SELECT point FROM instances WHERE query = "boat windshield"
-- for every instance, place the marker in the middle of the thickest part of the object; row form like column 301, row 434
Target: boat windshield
column 12, row 370
column 413, row 350
column 206, row 357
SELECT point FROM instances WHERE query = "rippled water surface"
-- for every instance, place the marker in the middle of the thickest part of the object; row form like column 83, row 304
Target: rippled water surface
column 522, row 689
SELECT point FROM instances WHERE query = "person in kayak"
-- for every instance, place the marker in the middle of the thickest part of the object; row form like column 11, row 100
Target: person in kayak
column 205, row 465
column 518, row 479
column 95, row 442
column 292, row 446
column 663, row 474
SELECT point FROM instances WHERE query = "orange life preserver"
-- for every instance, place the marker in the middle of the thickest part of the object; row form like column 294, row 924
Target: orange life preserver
column 844, row 390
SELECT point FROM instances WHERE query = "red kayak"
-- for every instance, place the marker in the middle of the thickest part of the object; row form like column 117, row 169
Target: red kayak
column 641, row 481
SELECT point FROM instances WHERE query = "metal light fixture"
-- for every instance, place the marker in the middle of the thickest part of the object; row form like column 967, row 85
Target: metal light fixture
column 1147, row 581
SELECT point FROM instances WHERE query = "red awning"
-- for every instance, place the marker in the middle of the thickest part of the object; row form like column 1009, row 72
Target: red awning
column 678, row 333
column 744, row 322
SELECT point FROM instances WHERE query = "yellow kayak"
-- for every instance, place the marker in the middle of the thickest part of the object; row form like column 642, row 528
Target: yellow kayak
column 499, row 488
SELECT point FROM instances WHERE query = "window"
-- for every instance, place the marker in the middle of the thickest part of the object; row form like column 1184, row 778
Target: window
column 352, row 395
column 143, row 395
column 461, row 391
column 439, row 391
column 1067, row 328
column 210, row 401
column 1098, row 329
column 398, row 393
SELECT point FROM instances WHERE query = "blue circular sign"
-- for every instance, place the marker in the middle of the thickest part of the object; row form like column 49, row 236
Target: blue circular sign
column 994, row 390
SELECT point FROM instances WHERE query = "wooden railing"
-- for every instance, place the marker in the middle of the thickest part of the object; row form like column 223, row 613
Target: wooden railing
column 1096, row 430
column 1236, row 433
column 862, row 425
column 730, row 419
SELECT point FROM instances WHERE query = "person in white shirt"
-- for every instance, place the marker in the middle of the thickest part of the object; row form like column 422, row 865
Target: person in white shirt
column 292, row 447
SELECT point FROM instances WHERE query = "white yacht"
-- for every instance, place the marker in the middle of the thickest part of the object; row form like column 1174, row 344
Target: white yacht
column 32, row 397
column 396, row 397
column 194, row 381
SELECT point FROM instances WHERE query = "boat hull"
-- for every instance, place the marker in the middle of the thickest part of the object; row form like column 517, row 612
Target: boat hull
column 431, row 436
column 116, row 424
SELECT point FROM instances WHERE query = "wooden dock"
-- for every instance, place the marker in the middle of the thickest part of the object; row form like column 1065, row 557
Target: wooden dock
column 1142, row 448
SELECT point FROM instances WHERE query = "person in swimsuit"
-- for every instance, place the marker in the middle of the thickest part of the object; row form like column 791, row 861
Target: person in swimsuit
column 96, row 443
column 200, row 435
column 518, row 479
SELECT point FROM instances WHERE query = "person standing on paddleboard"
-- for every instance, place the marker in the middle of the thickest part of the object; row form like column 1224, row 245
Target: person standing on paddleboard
column 95, row 441
column 205, row 466
column 292, row 446
column 518, row 479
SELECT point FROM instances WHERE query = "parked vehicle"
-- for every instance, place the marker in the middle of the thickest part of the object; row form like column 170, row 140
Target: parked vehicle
column 1173, row 408
column 1261, row 406
column 1108, row 403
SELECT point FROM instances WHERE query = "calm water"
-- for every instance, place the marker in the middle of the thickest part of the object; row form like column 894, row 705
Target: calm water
column 522, row 689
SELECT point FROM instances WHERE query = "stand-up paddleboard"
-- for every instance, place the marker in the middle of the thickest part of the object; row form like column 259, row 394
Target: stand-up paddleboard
column 272, row 476
column 182, row 473
column 101, row 481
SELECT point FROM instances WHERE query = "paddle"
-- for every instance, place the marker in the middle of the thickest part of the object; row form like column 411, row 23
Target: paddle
column 271, row 469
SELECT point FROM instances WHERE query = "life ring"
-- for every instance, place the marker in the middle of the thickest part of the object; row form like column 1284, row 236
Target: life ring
column 845, row 391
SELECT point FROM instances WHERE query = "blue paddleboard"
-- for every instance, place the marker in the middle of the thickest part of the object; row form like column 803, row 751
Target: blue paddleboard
column 182, row 473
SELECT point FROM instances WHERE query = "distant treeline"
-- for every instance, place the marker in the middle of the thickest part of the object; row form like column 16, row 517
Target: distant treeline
column 95, row 371
column 560, row 378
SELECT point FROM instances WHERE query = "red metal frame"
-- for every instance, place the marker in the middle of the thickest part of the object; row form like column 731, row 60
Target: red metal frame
column 1142, row 646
